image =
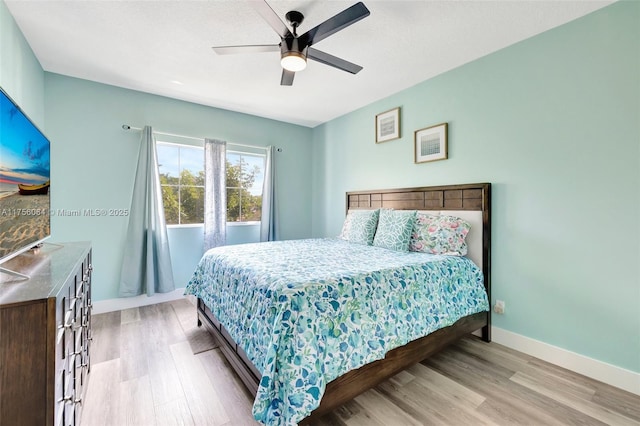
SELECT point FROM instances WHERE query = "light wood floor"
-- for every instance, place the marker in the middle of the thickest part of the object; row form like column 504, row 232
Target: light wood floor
column 153, row 366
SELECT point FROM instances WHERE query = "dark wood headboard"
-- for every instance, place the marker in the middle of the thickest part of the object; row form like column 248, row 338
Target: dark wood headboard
column 473, row 196
column 450, row 197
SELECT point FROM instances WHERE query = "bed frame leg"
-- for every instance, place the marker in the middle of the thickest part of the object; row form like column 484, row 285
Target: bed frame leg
column 199, row 304
column 486, row 333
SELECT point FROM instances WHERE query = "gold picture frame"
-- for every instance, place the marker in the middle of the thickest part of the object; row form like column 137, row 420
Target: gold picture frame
column 430, row 143
column 388, row 125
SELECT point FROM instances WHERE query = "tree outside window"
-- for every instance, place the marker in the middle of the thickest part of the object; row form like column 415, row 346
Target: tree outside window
column 245, row 174
column 181, row 169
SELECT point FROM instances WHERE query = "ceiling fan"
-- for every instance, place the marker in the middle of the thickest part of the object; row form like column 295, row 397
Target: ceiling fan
column 295, row 49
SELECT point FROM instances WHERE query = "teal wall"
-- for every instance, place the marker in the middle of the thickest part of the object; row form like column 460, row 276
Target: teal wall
column 21, row 75
column 553, row 123
column 94, row 160
column 186, row 246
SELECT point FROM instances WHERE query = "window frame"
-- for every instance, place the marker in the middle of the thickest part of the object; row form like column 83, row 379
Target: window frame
column 201, row 148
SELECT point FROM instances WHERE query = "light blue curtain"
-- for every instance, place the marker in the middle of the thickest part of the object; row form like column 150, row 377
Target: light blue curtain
column 146, row 266
column 215, row 193
column 269, row 217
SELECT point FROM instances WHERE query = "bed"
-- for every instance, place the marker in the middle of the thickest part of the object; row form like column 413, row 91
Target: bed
column 310, row 324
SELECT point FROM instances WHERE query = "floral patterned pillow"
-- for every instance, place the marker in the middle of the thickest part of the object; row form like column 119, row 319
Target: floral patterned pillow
column 360, row 226
column 439, row 235
column 394, row 229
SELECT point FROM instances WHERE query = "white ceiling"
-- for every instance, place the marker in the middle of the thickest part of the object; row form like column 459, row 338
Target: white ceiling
column 164, row 47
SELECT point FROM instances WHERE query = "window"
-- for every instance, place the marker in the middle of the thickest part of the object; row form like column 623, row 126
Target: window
column 245, row 174
column 181, row 169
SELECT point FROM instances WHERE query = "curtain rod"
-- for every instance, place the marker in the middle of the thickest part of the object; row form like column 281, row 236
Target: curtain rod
column 127, row 127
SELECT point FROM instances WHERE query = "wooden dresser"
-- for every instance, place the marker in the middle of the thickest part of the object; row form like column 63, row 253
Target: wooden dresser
column 45, row 336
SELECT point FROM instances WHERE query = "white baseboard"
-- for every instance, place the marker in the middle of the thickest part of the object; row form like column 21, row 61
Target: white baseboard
column 610, row 374
column 111, row 305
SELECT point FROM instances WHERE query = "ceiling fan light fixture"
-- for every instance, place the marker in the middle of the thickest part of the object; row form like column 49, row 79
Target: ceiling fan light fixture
column 293, row 61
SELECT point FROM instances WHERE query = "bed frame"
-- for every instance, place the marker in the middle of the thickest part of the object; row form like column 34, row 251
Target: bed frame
column 476, row 197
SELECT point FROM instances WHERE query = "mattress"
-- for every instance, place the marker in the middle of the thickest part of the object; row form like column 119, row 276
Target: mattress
column 308, row 311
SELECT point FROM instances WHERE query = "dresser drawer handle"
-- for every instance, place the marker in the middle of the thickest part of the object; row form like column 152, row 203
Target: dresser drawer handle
column 67, row 320
column 80, row 289
column 60, row 416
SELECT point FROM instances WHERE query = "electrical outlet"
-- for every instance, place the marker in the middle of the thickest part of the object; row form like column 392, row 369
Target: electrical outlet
column 499, row 307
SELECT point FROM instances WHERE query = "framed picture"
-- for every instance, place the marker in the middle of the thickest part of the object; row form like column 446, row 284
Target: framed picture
column 388, row 125
column 431, row 143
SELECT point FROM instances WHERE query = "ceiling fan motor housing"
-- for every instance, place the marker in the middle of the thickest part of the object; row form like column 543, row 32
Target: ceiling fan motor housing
column 293, row 55
column 292, row 46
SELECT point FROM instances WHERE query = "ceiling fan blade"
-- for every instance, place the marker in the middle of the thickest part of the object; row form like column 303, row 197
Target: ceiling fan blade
column 272, row 18
column 332, row 25
column 257, row 48
column 287, row 78
column 333, row 61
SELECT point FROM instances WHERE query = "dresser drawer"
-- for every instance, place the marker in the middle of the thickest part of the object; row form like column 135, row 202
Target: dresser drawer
column 47, row 324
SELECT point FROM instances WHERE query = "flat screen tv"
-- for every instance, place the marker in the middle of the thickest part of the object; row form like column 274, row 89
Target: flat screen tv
column 24, row 181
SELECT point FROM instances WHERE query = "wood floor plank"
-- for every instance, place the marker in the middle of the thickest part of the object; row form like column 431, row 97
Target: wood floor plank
column 199, row 338
column 505, row 399
column 556, row 377
column 612, row 398
column 130, row 315
column 133, row 361
column 105, row 330
column 101, row 405
column 136, row 403
column 402, row 378
column 619, row 401
column 569, row 399
column 446, row 387
column 174, row 413
column 203, row 399
column 381, row 410
column 497, row 354
column 505, row 413
column 162, row 326
column 233, row 395
column 186, row 313
column 163, row 375
column 431, row 405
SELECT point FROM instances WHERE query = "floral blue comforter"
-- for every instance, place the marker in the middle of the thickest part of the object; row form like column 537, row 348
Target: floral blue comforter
column 308, row 311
